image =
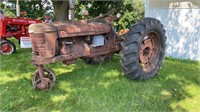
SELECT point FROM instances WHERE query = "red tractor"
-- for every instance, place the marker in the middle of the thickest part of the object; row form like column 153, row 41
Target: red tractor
column 141, row 48
column 13, row 27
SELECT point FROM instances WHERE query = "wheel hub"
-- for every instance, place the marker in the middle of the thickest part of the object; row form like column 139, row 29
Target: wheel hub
column 146, row 50
column 149, row 52
column 6, row 48
column 43, row 83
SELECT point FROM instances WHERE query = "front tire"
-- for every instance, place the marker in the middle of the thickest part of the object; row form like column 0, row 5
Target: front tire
column 143, row 49
column 7, row 47
column 49, row 78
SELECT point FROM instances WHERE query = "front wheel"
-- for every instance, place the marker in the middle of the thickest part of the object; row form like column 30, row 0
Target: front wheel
column 44, row 83
column 7, row 47
column 143, row 49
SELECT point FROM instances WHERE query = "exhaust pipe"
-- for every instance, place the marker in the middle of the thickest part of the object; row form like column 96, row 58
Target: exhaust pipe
column 17, row 9
column 72, row 8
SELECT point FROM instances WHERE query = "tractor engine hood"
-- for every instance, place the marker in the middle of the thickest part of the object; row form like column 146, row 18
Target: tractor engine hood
column 66, row 29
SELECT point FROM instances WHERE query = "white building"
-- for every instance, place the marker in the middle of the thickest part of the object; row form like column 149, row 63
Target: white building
column 182, row 23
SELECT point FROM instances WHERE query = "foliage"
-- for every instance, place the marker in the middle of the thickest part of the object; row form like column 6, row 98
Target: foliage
column 91, row 88
column 132, row 10
column 6, row 10
column 33, row 9
column 96, row 7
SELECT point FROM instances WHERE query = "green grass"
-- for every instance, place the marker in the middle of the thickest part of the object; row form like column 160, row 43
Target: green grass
column 82, row 87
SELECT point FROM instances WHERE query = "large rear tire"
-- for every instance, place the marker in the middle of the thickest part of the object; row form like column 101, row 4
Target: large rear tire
column 143, row 50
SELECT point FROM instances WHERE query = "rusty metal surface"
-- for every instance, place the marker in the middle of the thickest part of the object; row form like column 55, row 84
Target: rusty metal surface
column 43, row 78
column 65, row 29
column 42, row 83
column 50, row 42
column 41, row 28
column 149, row 53
column 40, row 71
column 82, row 29
column 44, row 40
column 49, row 47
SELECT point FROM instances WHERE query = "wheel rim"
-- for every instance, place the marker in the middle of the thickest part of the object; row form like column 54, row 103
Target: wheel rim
column 6, row 48
column 49, row 79
column 150, row 52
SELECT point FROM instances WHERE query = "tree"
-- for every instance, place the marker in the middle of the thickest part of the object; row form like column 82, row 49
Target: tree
column 6, row 10
column 95, row 7
column 131, row 10
column 33, row 9
column 60, row 10
column 134, row 11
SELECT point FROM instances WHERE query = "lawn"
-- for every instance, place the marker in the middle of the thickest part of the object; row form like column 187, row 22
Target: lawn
column 82, row 87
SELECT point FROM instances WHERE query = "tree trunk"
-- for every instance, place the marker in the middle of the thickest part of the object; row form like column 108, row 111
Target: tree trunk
column 61, row 10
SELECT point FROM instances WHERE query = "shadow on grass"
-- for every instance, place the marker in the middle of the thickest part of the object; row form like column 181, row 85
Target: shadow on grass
column 82, row 87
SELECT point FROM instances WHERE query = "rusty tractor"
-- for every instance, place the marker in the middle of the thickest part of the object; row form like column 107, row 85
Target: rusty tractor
column 94, row 40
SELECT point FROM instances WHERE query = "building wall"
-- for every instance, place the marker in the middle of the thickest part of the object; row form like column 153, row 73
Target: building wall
column 174, row 3
column 182, row 24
